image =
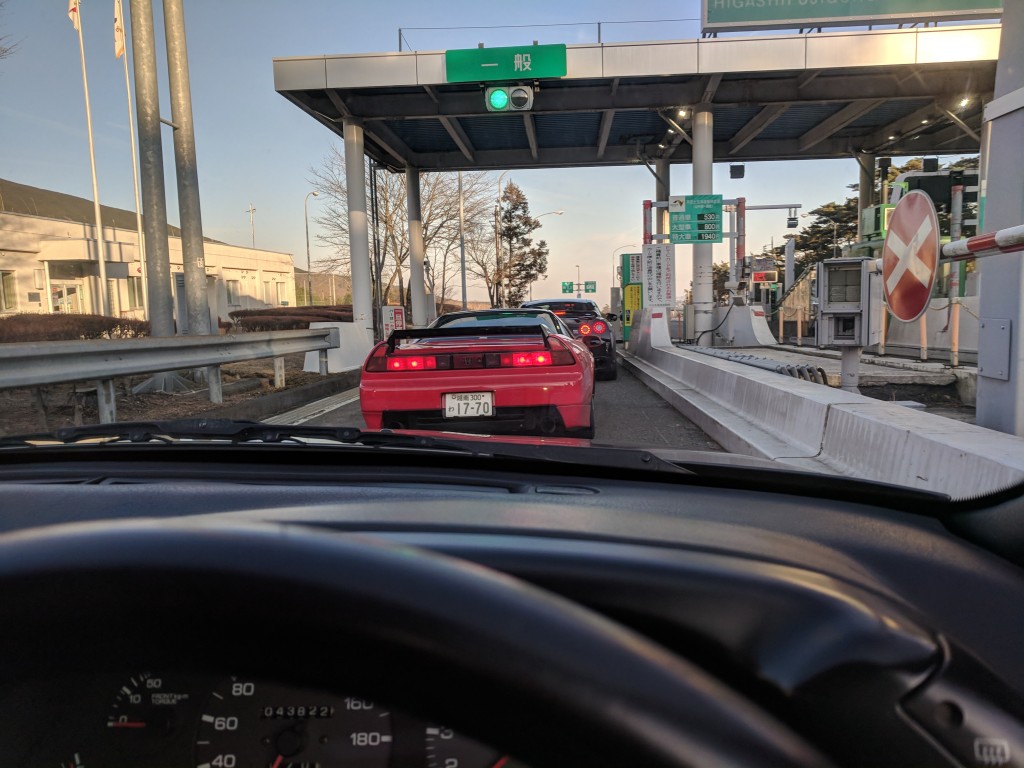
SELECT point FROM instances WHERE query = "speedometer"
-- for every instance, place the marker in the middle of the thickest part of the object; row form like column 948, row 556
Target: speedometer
column 254, row 724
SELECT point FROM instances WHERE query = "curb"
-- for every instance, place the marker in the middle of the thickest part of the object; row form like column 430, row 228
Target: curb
column 277, row 402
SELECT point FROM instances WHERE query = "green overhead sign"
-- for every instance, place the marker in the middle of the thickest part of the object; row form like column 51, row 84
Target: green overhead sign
column 767, row 14
column 525, row 62
column 590, row 286
column 567, row 287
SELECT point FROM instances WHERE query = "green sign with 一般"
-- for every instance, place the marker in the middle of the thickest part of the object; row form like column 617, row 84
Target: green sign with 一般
column 695, row 219
column 767, row 14
column 590, row 286
column 477, row 65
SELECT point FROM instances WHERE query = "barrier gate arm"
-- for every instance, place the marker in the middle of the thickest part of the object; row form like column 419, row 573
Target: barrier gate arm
column 1010, row 240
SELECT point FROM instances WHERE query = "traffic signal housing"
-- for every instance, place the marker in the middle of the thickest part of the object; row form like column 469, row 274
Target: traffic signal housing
column 508, row 98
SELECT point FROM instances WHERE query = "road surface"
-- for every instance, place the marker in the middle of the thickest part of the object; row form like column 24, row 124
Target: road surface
column 627, row 413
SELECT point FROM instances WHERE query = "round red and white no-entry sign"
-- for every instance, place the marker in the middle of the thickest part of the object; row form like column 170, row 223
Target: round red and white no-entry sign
column 910, row 257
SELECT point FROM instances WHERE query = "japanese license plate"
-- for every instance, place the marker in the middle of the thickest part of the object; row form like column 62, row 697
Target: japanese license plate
column 468, row 405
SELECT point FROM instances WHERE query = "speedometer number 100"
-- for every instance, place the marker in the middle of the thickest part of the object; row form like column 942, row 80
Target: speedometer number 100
column 255, row 723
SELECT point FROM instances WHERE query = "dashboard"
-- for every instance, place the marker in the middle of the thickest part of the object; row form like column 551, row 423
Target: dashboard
column 168, row 719
column 879, row 636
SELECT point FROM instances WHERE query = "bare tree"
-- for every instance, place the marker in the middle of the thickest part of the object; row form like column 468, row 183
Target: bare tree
column 481, row 259
column 6, row 46
column 439, row 207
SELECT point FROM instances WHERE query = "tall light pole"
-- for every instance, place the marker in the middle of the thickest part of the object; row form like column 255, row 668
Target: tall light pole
column 309, row 269
column 462, row 242
column 252, row 223
column 497, row 241
column 559, row 212
column 614, row 273
column 578, row 294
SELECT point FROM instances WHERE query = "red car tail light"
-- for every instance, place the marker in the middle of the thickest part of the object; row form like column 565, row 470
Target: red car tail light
column 599, row 327
column 411, row 363
column 380, row 361
column 558, row 354
column 528, row 359
column 585, row 329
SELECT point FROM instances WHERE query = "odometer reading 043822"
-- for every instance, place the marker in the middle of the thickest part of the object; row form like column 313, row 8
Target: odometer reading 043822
column 251, row 724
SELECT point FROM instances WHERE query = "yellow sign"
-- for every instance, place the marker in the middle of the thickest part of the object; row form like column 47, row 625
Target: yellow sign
column 632, row 301
column 633, row 297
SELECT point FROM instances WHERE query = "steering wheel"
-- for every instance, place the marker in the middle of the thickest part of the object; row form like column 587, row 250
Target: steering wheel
column 523, row 669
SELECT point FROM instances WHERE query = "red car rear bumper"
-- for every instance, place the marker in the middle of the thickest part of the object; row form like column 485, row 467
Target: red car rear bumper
column 568, row 389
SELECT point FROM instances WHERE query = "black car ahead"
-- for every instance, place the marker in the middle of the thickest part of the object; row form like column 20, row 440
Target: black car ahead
column 585, row 320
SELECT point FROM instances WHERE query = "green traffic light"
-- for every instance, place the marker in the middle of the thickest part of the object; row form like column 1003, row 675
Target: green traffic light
column 499, row 99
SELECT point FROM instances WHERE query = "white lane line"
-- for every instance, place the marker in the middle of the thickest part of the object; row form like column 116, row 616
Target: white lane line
column 315, row 409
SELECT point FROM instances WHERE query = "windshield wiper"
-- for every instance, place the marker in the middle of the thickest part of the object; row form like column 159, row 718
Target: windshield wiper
column 235, row 431
column 239, row 432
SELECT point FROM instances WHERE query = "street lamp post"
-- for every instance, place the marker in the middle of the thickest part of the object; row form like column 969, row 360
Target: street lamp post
column 309, row 269
column 614, row 272
column 559, row 212
column 497, row 242
column 835, row 232
column 578, row 294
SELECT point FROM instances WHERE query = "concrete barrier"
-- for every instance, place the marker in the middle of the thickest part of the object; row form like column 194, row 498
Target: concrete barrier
column 355, row 345
column 805, row 425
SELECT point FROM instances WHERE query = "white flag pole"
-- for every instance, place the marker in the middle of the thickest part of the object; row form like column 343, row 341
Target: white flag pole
column 100, row 250
column 135, row 163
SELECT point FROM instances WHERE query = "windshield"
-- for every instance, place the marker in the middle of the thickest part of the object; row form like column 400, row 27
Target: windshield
column 497, row 320
column 724, row 230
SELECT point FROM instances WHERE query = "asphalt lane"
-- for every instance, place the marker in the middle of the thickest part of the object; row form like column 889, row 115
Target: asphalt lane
column 627, row 413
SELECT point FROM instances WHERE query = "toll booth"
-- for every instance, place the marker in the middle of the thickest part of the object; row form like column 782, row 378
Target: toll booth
column 849, row 303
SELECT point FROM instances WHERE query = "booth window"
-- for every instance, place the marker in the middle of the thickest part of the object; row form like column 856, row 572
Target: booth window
column 8, row 292
column 134, row 292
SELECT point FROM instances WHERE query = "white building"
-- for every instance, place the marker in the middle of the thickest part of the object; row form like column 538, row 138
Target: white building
column 48, row 261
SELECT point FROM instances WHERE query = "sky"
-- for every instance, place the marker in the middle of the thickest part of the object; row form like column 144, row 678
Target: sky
column 255, row 148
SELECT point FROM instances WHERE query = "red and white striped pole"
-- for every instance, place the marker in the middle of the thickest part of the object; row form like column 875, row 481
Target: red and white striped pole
column 1009, row 240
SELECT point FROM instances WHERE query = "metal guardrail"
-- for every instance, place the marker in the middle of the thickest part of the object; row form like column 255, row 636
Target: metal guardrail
column 34, row 364
column 804, row 372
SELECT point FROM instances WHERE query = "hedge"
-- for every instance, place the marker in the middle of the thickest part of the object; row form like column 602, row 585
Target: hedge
column 340, row 313
column 63, row 327
column 276, row 322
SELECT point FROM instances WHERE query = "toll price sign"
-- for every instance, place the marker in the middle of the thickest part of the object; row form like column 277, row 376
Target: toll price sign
column 659, row 275
column 590, row 286
column 567, row 287
column 695, row 219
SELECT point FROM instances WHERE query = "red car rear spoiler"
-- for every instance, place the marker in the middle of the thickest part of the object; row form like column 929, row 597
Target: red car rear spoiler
column 474, row 332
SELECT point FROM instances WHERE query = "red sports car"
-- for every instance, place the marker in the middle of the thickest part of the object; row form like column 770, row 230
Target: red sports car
column 497, row 371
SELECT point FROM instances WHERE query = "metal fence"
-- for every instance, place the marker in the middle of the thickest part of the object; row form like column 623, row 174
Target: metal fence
column 35, row 364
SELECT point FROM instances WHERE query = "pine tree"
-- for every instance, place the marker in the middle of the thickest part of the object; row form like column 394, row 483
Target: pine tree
column 523, row 262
